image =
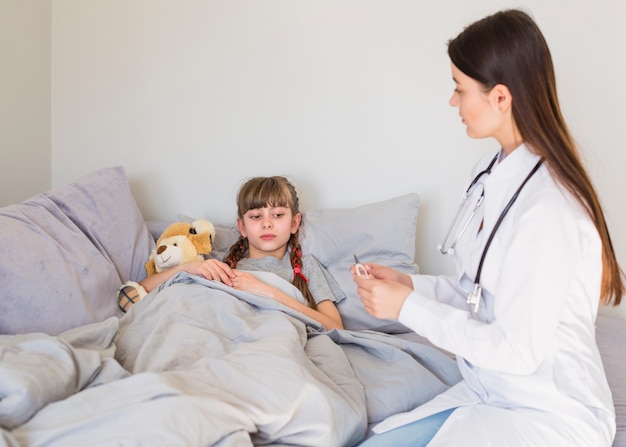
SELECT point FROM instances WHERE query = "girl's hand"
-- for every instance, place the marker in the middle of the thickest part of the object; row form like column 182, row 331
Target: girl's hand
column 382, row 298
column 248, row 282
column 211, row 269
column 326, row 313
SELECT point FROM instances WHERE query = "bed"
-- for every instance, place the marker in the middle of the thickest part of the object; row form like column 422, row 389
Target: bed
column 196, row 363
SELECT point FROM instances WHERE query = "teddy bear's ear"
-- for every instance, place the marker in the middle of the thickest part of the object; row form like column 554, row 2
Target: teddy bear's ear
column 203, row 243
column 202, row 238
column 150, row 266
column 203, row 226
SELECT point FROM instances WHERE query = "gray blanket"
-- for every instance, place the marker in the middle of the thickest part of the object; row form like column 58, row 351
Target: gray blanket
column 197, row 363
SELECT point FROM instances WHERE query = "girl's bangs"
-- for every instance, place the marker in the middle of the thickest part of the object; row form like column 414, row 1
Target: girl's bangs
column 266, row 194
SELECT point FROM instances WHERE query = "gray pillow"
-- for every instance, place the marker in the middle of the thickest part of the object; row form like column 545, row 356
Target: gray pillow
column 381, row 232
column 65, row 252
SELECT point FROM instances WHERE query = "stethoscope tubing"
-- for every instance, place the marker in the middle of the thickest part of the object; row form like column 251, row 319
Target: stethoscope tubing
column 500, row 219
column 466, row 196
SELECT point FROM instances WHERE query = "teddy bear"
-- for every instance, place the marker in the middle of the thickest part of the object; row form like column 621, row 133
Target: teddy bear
column 180, row 242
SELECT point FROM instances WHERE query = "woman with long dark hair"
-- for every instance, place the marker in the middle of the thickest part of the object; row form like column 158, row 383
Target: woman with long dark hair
column 534, row 260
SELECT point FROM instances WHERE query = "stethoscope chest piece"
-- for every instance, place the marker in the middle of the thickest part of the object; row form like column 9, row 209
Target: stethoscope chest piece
column 474, row 297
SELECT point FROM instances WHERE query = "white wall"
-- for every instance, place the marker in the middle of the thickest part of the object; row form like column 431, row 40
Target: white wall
column 24, row 99
column 349, row 97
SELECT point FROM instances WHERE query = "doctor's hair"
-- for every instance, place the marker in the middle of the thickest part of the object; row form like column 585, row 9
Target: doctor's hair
column 508, row 48
column 262, row 192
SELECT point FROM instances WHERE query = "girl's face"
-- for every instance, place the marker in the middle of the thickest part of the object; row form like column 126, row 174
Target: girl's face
column 478, row 109
column 268, row 230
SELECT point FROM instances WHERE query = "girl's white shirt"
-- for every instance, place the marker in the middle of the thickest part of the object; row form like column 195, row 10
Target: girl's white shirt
column 529, row 360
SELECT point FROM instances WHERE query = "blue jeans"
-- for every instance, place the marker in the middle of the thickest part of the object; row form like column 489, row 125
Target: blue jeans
column 415, row 434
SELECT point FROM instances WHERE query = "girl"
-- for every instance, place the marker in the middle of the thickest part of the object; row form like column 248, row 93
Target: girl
column 269, row 221
column 533, row 265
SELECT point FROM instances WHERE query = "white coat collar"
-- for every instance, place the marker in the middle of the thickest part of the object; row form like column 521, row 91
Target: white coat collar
column 515, row 165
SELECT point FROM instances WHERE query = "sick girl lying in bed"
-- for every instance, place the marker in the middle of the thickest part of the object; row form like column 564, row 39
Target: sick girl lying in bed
column 268, row 221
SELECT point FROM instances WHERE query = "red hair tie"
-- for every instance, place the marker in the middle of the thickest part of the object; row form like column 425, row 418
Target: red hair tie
column 298, row 271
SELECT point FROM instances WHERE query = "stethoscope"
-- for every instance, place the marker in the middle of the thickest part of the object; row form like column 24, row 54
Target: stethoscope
column 447, row 244
column 460, row 225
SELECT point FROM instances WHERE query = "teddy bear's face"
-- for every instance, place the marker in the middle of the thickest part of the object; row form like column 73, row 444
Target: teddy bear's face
column 174, row 250
column 181, row 242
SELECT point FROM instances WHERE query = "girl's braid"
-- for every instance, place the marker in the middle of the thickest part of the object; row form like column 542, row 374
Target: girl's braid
column 299, row 280
column 237, row 251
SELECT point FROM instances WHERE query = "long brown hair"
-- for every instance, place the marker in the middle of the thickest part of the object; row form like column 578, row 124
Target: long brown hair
column 508, row 48
column 261, row 192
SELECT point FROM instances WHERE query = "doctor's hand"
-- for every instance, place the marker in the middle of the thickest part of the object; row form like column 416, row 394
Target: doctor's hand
column 381, row 272
column 382, row 298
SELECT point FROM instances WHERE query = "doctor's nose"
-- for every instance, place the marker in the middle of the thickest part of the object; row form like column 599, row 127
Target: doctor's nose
column 454, row 100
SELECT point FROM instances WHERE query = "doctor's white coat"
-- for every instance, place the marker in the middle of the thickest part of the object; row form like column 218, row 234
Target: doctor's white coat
column 532, row 373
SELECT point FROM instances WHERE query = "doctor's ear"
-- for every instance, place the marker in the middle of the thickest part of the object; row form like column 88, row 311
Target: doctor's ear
column 501, row 95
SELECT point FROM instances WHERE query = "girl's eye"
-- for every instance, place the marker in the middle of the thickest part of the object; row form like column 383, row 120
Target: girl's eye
column 279, row 215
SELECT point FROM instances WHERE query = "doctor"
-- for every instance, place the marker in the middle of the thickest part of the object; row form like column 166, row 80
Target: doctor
column 534, row 261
